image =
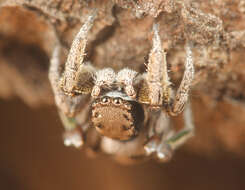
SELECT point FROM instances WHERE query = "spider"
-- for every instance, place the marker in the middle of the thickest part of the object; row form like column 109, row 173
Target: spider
column 124, row 114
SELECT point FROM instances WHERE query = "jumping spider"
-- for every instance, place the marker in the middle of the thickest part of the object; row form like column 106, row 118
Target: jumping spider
column 127, row 112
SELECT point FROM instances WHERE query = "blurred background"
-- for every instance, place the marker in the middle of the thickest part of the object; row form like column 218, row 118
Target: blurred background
column 33, row 157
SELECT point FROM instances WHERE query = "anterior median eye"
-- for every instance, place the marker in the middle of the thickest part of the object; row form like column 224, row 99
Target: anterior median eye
column 117, row 101
column 105, row 99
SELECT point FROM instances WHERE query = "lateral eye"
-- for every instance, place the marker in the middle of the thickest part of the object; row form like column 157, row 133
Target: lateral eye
column 126, row 117
column 105, row 99
column 96, row 115
column 117, row 101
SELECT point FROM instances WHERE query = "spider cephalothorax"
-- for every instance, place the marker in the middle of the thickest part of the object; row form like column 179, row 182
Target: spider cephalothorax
column 119, row 112
column 117, row 118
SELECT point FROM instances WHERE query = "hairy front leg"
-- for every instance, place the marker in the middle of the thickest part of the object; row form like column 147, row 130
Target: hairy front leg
column 78, row 77
column 154, row 88
column 157, row 73
column 68, row 106
column 182, row 94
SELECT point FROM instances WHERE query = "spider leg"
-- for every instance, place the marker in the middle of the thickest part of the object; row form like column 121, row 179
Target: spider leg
column 187, row 132
column 165, row 140
column 72, row 135
column 157, row 89
column 159, row 132
column 78, row 77
column 68, row 106
column 182, row 93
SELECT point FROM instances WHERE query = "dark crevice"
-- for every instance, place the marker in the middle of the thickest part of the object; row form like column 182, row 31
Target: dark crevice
column 104, row 35
column 23, row 55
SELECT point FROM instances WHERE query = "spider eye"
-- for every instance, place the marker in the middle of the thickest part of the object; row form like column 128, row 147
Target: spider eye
column 105, row 99
column 126, row 117
column 96, row 115
column 117, row 101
